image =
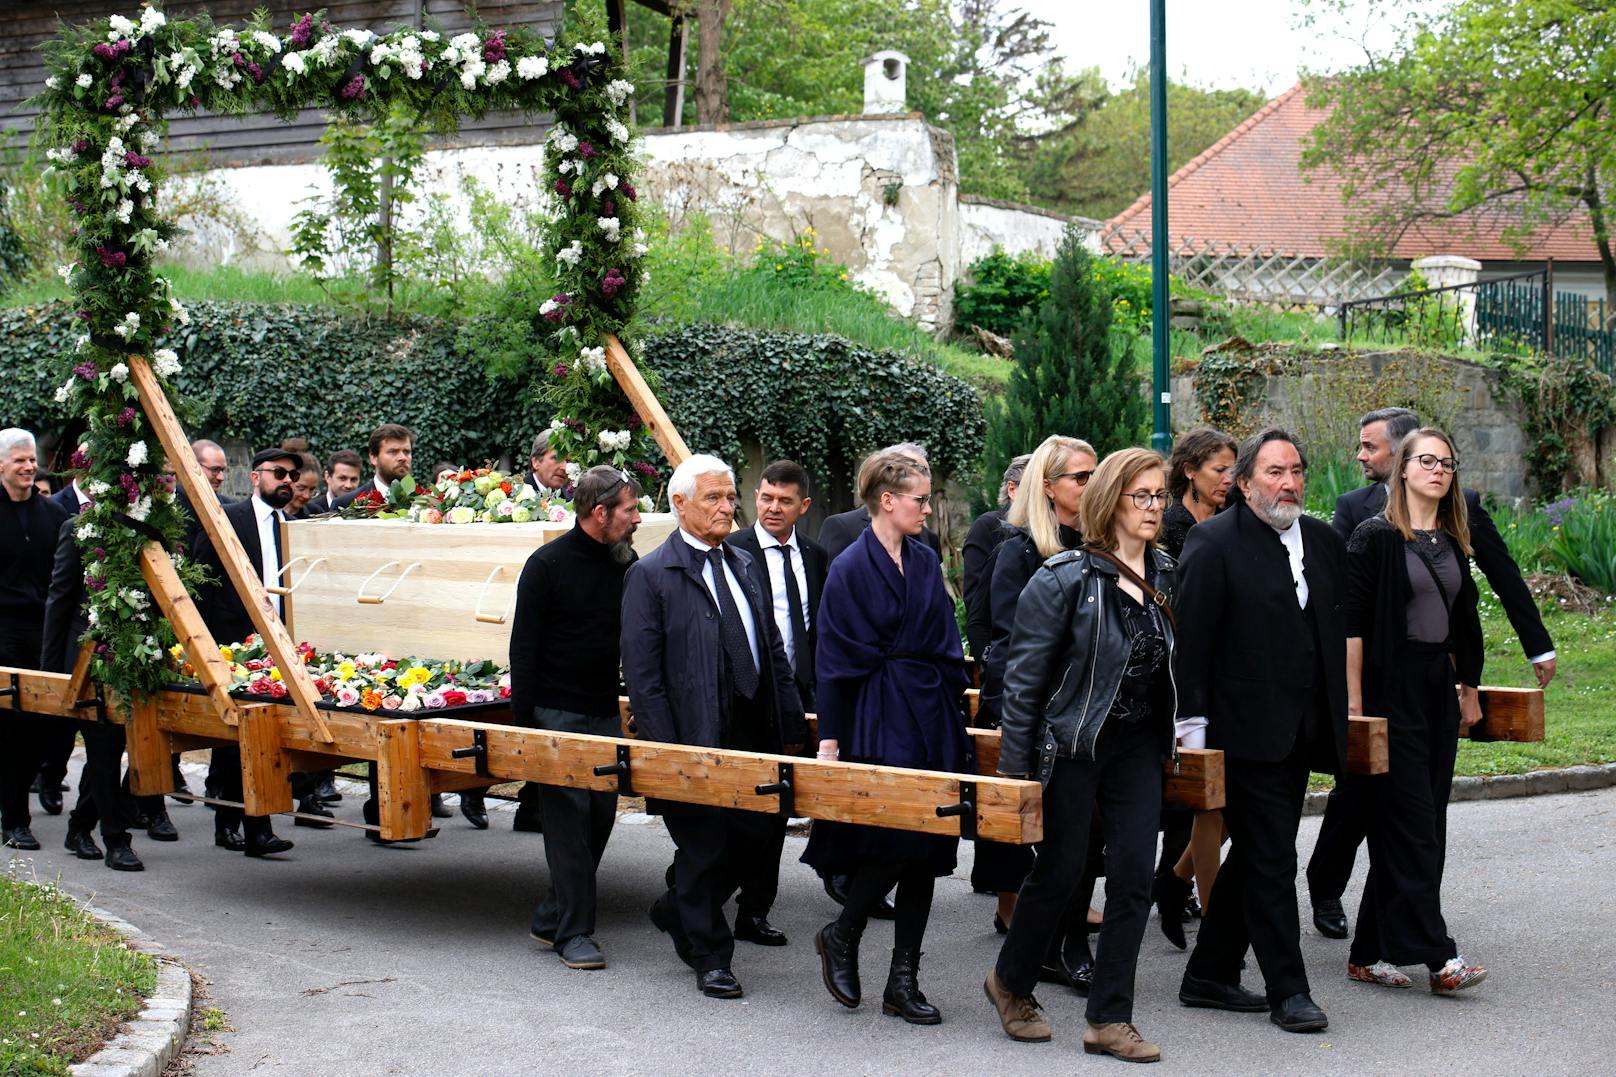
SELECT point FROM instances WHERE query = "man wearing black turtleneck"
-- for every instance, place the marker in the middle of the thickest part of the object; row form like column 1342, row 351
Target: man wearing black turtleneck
column 564, row 677
column 29, row 524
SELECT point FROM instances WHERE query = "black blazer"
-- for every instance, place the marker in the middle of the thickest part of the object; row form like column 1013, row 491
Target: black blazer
column 1491, row 556
column 815, row 564
column 838, row 532
column 218, row 602
column 1241, row 659
column 319, row 505
column 346, row 499
column 65, row 620
column 67, row 499
column 987, row 532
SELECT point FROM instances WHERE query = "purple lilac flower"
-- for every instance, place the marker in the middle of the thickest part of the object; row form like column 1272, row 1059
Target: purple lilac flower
column 609, row 209
column 126, row 416
column 494, row 47
column 112, row 259
column 79, row 460
column 135, row 160
column 255, row 71
column 628, row 189
column 563, row 188
column 98, row 553
column 95, row 583
column 131, row 488
column 566, row 75
column 586, row 151
column 87, row 371
column 613, row 283
column 80, row 145
column 114, row 102
column 106, row 52
column 560, row 370
column 303, row 32
column 354, row 88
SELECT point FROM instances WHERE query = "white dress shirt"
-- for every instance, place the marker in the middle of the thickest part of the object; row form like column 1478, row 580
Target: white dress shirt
column 735, row 589
column 268, row 519
column 774, row 564
column 78, row 492
column 1292, row 539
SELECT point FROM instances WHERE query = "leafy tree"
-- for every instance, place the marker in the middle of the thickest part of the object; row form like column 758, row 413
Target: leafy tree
column 1501, row 108
column 1072, row 375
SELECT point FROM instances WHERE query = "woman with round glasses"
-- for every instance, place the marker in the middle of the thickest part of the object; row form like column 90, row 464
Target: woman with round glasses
column 1413, row 634
column 1088, row 710
column 1043, row 521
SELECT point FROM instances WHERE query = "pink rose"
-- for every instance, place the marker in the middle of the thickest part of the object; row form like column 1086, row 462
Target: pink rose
column 558, row 515
column 347, row 696
column 431, row 516
column 391, row 703
column 434, row 701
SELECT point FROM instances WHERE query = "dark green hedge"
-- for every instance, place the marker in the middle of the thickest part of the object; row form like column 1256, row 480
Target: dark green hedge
column 260, row 373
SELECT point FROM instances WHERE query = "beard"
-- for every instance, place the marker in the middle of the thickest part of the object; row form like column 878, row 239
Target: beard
column 623, row 550
column 277, row 499
column 1275, row 512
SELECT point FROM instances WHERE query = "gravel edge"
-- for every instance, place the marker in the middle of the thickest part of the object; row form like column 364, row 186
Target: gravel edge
column 152, row 1038
column 1579, row 779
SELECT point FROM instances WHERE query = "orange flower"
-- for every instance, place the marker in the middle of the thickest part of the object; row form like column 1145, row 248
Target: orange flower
column 371, row 699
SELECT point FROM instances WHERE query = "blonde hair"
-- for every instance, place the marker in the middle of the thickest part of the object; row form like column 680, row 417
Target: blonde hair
column 1451, row 514
column 1032, row 510
column 1106, row 490
column 888, row 472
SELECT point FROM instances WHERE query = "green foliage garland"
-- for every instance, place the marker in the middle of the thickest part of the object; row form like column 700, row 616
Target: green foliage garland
column 112, row 85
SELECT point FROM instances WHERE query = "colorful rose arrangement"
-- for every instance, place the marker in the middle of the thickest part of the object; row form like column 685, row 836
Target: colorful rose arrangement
column 481, row 496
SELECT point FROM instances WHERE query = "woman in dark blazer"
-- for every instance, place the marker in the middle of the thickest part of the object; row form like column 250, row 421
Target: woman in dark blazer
column 1412, row 634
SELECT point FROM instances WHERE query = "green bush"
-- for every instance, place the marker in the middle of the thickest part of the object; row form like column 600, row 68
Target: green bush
column 1327, row 479
column 1000, row 291
column 1583, row 542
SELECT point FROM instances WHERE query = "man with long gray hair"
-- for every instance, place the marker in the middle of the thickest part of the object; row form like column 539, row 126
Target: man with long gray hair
column 1262, row 656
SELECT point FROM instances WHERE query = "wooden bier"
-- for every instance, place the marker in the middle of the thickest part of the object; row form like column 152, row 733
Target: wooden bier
column 1367, row 745
column 1511, row 714
column 644, row 400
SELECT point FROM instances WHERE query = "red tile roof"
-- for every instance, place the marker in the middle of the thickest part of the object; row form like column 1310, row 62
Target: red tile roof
column 1247, row 190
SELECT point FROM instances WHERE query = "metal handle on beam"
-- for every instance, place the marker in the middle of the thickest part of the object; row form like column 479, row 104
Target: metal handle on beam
column 619, row 768
column 965, row 809
column 476, row 750
column 491, row 618
column 377, row 600
column 290, row 587
column 785, row 788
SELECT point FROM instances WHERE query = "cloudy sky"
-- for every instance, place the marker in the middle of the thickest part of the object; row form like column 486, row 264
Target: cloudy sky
column 1260, row 44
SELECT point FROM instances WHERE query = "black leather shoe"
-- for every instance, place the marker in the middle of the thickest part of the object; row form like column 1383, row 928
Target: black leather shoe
column 1170, row 893
column 266, row 845
column 1298, row 1014
column 664, row 922
column 529, row 819
column 20, row 838
column 718, row 983
column 475, row 809
column 81, row 845
column 50, row 799
column 123, row 858
column 1330, row 918
column 310, row 805
column 1211, row 995
column 161, row 828
column 229, row 839
column 835, row 887
column 439, row 809
column 838, row 965
column 327, row 790
column 758, row 929
column 136, row 816
column 903, row 997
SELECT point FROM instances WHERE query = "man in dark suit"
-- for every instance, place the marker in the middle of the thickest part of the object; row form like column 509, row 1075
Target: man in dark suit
column 1345, row 818
column 705, row 665
column 1261, row 656
column 256, row 522
column 838, row 532
column 789, row 570
column 547, row 472
column 390, row 447
column 58, row 742
column 341, row 474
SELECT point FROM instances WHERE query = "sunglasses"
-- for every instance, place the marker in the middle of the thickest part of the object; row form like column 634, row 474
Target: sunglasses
column 283, row 472
column 1081, row 477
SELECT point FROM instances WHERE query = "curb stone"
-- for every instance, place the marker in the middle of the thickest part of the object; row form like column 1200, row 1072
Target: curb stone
column 153, row 1037
column 1578, row 779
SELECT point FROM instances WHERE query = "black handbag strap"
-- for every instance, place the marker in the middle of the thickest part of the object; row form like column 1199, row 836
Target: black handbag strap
column 1138, row 581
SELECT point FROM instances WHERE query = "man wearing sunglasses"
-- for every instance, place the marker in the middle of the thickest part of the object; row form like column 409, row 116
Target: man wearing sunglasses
column 256, row 522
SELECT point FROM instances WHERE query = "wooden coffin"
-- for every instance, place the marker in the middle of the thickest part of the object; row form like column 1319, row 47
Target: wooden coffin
column 422, row 590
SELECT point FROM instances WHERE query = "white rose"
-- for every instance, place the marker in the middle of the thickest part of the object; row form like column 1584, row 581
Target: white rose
column 84, row 82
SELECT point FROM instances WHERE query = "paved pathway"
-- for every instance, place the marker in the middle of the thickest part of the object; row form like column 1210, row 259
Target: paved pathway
column 346, row 958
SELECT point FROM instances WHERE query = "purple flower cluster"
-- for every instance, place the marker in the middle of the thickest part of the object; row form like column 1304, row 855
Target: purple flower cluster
column 586, row 151
column 560, row 370
column 99, row 553
column 111, row 52
column 95, row 583
column 112, row 259
column 114, row 102
column 628, row 189
column 87, row 370
column 563, row 188
column 559, row 314
column 79, row 461
column 494, row 47
column 608, row 208
column 354, row 88
column 567, row 75
column 131, row 488
column 135, row 160
column 644, row 468
column 256, row 71
column 613, row 283
column 126, row 416
column 303, row 32
column 80, row 145
column 634, row 422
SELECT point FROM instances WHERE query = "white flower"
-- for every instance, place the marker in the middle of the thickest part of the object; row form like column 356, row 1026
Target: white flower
column 645, row 503
column 84, row 82
column 85, row 532
column 555, row 424
column 607, row 440
column 138, row 180
column 64, row 391
column 149, row 138
column 499, row 73
column 466, row 44
column 165, row 362
column 571, row 253
column 122, row 26
column 137, row 454
column 468, row 79
column 187, row 73
column 608, row 182
column 96, row 489
column 293, row 62
column 574, row 471
column 269, row 41
column 544, row 308
column 136, row 599
column 532, row 67
column 598, row 48
column 120, row 374
column 618, row 89
column 181, row 315
column 124, row 211
column 562, row 139
column 141, row 508
column 66, row 272
column 53, row 83
column 616, row 129
column 429, row 35
column 611, row 226
column 594, row 359
column 360, row 38
column 381, row 54
column 151, row 19
column 129, row 326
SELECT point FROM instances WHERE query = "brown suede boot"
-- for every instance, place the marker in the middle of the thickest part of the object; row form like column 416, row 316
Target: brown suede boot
column 1018, row 1013
column 1119, row 1039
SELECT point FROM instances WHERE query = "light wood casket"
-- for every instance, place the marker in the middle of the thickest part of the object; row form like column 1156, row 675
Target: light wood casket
column 420, row 590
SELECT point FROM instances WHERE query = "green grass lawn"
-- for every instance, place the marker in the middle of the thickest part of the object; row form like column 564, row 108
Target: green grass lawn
column 65, row 981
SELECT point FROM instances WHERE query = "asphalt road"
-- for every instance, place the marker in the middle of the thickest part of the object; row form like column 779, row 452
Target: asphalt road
column 346, row 958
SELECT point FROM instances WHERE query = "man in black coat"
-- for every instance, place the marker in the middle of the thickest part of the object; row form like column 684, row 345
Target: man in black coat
column 838, row 532
column 1261, row 656
column 789, row 569
column 58, row 743
column 341, row 473
column 705, row 666
column 391, row 446
column 1345, row 823
column 256, row 522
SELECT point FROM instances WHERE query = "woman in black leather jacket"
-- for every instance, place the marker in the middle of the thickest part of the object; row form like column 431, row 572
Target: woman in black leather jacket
column 1088, row 708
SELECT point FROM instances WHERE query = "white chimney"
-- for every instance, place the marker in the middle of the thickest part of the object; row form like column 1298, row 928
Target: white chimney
column 886, row 78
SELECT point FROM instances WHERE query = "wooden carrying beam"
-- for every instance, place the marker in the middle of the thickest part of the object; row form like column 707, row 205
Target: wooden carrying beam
column 186, row 621
column 151, row 750
column 645, row 402
column 1367, row 745
column 299, row 685
column 1512, row 714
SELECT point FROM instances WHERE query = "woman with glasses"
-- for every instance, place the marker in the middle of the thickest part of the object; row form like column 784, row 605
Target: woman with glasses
column 1043, row 522
column 1089, row 704
column 890, row 678
column 1413, row 634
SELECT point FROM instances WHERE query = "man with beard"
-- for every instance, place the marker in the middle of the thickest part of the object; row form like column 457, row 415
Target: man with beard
column 564, row 663
column 256, row 522
column 390, row 448
column 1262, row 651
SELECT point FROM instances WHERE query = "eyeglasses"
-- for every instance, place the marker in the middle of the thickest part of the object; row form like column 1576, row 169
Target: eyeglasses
column 282, row 472
column 920, row 499
column 1080, row 477
column 1431, row 463
column 220, row 470
column 1142, row 500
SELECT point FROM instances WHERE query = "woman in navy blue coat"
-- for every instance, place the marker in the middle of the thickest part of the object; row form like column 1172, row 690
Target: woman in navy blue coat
column 891, row 678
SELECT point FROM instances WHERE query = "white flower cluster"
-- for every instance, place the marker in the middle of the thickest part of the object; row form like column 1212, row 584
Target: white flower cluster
column 120, row 374
column 532, row 67
column 66, row 272
column 594, row 359
column 113, row 165
column 611, row 226
column 608, row 182
column 85, row 532
column 129, row 326
column 137, row 454
column 121, row 27
column 267, row 41
column 137, row 600
column 618, row 90
column 574, row 472
column 294, row 63
column 84, row 82
column 597, row 48
column 410, row 57
column 140, row 509
column 613, row 440
column 617, row 130
column 165, row 363
column 562, row 139
column 466, row 51
column 557, row 424
column 65, row 390
column 571, row 253
column 151, row 19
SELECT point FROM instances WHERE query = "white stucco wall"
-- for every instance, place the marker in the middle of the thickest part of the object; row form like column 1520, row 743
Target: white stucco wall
column 986, row 224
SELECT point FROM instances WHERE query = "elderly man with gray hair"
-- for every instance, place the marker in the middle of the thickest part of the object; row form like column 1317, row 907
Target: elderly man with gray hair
column 705, row 665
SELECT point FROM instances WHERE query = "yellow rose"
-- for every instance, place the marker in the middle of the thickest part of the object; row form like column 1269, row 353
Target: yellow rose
column 229, row 655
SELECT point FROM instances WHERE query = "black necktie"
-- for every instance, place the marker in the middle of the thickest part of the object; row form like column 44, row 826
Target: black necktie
column 280, row 555
column 799, row 630
column 732, row 630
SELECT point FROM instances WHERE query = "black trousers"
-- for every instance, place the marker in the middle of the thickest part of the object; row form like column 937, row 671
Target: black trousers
column 224, row 774
column 715, row 848
column 1345, row 825
column 56, row 749
column 578, row 823
column 759, row 869
column 100, row 792
column 23, row 736
column 869, row 884
column 1256, row 904
column 1125, row 781
column 1400, row 918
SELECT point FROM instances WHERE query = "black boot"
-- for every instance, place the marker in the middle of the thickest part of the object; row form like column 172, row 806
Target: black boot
column 838, row 963
column 81, row 845
column 903, row 997
column 1170, row 893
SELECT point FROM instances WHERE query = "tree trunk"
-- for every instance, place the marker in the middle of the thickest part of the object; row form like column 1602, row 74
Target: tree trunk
column 712, row 88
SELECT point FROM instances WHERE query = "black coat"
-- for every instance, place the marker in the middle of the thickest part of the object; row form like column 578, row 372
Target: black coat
column 1242, row 659
column 319, row 505
column 1014, row 563
column 815, row 564
column 986, row 533
column 838, row 532
column 220, row 606
column 65, row 620
column 673, row 657
column 67, row 498
column 1490, row 553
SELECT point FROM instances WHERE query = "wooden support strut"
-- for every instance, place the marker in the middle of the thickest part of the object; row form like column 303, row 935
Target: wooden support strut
column 645, row 402
column 300, row 686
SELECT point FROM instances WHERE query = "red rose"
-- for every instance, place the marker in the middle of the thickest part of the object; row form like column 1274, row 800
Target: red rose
column 505, row 487
column 277, row 689
column 323, row 685
column 504, row 693
column 389, row 664
column 453, row 698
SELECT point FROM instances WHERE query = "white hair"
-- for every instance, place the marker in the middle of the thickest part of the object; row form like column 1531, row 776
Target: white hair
column 15, row 437
column 683, row 483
